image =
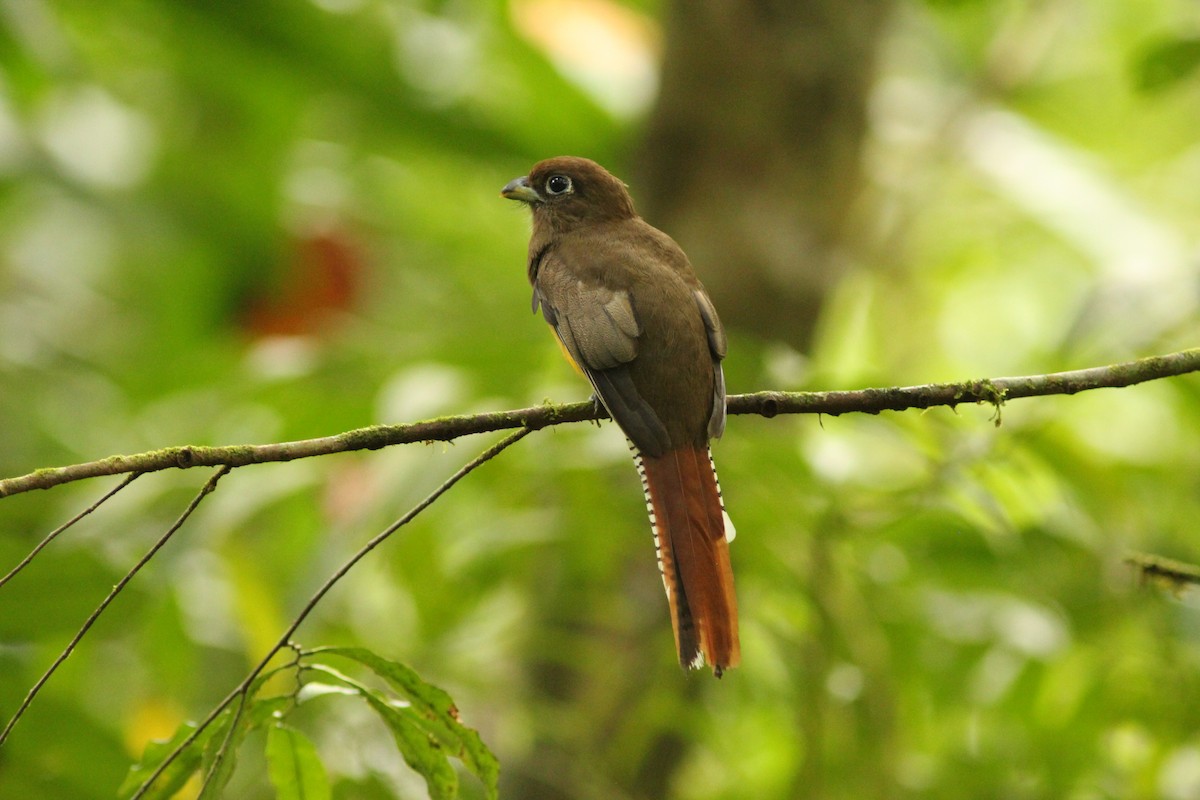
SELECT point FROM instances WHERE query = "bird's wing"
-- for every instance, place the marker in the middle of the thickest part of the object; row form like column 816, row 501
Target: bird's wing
column 599, row 330
column 717, row 346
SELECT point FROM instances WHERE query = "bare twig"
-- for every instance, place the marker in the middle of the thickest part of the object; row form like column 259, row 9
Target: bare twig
column 240, row 691
column 768, row 404
column 50, row 537
column 112, row 595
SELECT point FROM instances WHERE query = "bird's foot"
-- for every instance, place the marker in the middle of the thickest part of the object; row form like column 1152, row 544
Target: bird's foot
column 598, row 408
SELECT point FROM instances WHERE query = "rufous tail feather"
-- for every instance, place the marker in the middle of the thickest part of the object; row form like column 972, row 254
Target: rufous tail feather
column 688, row 520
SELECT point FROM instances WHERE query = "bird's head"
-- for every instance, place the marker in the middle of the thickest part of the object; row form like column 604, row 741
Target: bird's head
column 567, row 190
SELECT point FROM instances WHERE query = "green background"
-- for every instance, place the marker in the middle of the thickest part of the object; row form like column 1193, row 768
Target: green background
column 235, row 222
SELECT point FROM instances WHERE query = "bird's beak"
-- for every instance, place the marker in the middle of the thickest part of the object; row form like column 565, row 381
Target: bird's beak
column 519, row 189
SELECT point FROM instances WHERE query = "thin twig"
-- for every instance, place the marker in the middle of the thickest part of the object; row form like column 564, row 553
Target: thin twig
column 241, row 689
column 112, row 595
column 768, row 404
column 50, row 537
column 1178, row 575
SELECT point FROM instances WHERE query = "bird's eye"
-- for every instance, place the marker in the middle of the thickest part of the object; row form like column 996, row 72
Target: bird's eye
column 558, row 184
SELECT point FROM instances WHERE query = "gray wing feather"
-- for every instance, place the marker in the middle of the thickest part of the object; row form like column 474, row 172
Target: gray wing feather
column 596, row 325
column 599, row 328
column 637, row 419
column 718, row 346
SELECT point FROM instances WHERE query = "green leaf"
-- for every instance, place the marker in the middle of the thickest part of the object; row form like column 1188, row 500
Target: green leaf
column 213, row 746
column 421, row 751
column 419, row 748
column 174, row 777
column 220, row 757
column 314, row 689
column 188, row 762
column 1167, row 62
column 293, row 765
column 435, row 711
column 265, row 710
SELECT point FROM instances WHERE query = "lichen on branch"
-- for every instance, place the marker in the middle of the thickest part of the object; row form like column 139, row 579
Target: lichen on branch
column 993, row 391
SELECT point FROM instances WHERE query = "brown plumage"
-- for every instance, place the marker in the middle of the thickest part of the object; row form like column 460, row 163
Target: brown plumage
column 632, row 316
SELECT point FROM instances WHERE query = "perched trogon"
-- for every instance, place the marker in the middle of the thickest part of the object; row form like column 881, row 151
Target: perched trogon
column 632, row 316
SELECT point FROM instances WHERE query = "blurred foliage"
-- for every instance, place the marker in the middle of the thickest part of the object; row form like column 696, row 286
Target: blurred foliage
column 225, row 222
column 1167, row 62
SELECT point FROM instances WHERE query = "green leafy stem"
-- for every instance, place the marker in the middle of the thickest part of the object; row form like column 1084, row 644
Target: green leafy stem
column 422, row 718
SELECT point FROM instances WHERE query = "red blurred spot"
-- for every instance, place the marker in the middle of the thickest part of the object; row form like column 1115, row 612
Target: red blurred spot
column 321, row 282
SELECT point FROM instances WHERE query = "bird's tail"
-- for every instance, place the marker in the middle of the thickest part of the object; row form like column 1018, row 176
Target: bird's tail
column 692, row 541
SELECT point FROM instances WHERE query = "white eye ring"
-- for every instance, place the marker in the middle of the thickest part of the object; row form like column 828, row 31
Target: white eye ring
column 558, row 184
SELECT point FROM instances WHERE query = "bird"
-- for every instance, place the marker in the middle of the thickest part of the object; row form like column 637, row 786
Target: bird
column 633, row 318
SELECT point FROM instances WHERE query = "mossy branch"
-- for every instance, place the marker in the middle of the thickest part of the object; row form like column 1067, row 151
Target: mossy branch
column 994, row 391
